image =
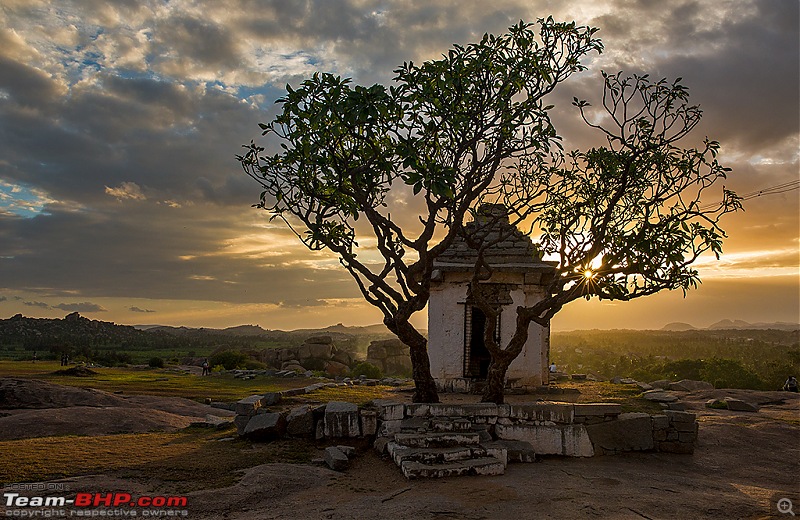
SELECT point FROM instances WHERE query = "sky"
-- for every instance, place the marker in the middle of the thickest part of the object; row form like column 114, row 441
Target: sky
column 121, row 199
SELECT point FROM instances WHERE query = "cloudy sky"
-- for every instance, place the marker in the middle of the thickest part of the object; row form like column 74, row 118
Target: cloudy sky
column 120, row 196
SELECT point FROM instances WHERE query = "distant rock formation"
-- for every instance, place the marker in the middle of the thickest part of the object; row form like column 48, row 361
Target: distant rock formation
column 391, row 356
column 678, row 326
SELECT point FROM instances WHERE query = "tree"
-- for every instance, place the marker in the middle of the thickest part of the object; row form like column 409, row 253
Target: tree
column 444, row 130
column 621, row 221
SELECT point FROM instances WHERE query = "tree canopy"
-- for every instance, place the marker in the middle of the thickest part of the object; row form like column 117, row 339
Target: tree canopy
column 619, row 221
column 444, row 129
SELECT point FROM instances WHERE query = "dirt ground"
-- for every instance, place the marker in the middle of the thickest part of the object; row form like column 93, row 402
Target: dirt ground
column 743, row 464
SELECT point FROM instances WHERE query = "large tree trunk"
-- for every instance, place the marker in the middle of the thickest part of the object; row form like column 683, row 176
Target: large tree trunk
column 493, row 392
column 425, row 391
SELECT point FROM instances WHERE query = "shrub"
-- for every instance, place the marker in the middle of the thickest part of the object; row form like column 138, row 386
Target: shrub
column 230, row 359
column 368, row 370
column 156, row 362
column 252, row 364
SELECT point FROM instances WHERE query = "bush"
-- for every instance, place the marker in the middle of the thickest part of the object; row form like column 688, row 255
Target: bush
column 156, row 362
column 368, row 370
column 229, row 359
column 252, row 364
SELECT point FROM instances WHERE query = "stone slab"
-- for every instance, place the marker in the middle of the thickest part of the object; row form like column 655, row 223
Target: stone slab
column 342, row 420
column 248, row 405
column 481, row 466
column 629, row 432
column 265, row 426
column 586, row 409
column 570, row 440
column 335, row 459
column 555, row 412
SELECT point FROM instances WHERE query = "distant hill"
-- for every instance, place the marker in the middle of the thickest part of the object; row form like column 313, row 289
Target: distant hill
column 740, row 325
column 678, row 326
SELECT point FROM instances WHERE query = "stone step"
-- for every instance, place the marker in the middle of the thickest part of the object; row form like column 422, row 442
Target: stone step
column 515, row 451
column 400, row 454
column 479, row 466
column 437, row 439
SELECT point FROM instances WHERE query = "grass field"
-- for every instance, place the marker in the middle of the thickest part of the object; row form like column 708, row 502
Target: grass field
column 180, row 460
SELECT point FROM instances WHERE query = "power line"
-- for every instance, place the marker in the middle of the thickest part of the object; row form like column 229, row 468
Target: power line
column 772, row 190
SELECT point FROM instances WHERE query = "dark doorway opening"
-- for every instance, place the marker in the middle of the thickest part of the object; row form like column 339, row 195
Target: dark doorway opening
column 476, row 356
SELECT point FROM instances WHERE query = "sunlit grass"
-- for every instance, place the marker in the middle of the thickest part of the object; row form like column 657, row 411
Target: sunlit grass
column 359, row 395
column 191, row 459
column 629, row 396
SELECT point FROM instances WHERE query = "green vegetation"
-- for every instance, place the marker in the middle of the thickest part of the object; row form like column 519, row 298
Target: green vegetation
column 229, row 359
column 164, row 382
column 156, row 362
column 368, row 370
column 755, row 359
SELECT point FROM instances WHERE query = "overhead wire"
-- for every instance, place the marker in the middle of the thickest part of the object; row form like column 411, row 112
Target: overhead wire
column 772, row 190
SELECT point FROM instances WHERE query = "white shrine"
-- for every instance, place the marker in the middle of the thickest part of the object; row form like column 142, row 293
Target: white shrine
column 456, row 349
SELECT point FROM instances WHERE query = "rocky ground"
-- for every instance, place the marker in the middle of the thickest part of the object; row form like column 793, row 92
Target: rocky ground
column 744, row 462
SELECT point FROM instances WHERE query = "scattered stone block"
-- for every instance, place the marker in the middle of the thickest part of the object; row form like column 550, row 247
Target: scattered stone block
column 335, row 459
column 348, row 451
column 241, row 423
column 369, row 422
column 271, row 399
column 342, row 420
column 248, row 405
column 380, row 444
column 661, row 384
column 265, row 426
column 300, row 422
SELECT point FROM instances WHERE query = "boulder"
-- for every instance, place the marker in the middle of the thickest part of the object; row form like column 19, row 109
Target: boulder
column 659, row 396
column 321, row 350
column 322, row 339
column 335, row 368
column 294, row 367
column 303, row 352
column 717, row 404
column 265, row 426
column 661, row 383
column 737, row 405
column 343, row 357
column 689, row 385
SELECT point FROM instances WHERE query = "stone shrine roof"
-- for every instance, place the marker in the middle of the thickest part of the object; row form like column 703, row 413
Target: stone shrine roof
column 511, row 249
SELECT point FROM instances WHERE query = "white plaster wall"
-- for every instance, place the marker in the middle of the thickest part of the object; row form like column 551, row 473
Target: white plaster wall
column 446, row 335
column 446, row 330
column 529, row 367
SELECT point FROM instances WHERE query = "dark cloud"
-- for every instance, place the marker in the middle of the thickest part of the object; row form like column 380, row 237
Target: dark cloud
column 41, row 305
column 80, row 307
column 137, row 309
